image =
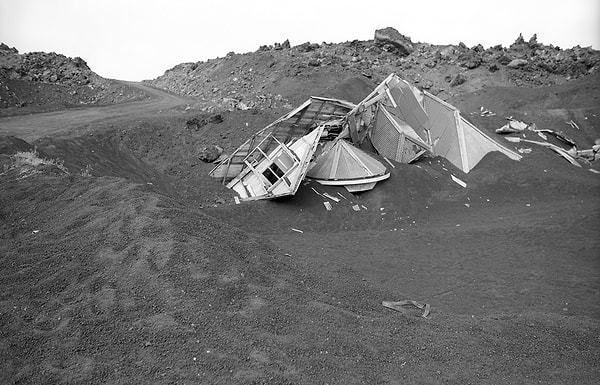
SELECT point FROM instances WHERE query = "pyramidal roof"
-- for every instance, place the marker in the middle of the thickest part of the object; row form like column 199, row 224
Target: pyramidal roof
column 341, row 161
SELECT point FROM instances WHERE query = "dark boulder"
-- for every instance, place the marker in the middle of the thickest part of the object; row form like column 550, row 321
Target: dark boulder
column 215, row 118
column 210, row 154
column 402, row 44
column 457, row 80
column 469, row 60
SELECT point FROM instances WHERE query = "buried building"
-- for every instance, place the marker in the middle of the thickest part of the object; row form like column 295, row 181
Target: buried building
column 404, row 123
column 399, row 121
column 274, row 161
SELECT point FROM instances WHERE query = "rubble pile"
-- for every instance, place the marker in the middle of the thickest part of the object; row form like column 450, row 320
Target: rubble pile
column 228, row 83
column 45, row 67
column 40, row 78
column 261, row 79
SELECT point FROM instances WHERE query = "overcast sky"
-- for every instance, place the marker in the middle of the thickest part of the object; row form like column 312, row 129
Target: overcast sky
column 141, row 39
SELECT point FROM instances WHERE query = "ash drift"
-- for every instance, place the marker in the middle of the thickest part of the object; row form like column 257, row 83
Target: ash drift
column 322, row 140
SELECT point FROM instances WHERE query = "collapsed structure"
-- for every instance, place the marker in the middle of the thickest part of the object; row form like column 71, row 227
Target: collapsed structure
column 321, row 140
column 403, row 123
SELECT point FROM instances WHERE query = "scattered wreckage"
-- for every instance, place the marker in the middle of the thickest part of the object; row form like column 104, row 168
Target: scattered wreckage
column 326, row 140
column 572, row 154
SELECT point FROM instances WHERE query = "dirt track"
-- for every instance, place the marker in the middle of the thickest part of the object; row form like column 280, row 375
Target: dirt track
column 65, row 122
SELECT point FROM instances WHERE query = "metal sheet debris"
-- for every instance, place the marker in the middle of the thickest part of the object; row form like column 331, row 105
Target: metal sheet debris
column 512, row 126
column 485, row 112
column 559, row 135
column 572, row 124
column 398, row 306
column 458, row 181
column 560, row 151
column 316, row 192
column 590, row 154
column 327, row 195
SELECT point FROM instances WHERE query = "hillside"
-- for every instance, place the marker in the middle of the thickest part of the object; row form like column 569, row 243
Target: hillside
column 40, row 81
column 281, row 75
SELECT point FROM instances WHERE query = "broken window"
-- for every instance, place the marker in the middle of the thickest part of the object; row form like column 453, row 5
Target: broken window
column 273, row 173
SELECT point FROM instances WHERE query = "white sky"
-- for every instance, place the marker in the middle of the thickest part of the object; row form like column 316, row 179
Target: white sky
column 140, row 39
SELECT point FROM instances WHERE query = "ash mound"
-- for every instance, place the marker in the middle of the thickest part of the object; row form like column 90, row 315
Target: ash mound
column 40, row 81
column 283, row 75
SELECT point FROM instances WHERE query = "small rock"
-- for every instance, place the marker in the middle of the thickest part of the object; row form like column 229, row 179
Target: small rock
column 215, row 118
column 533, row 43
column 504, row 59
column 520, row 39
column 446, row 52
column 195, row 123
column 469, row 60
column 517, row 63
column 478, row 48
column 457, row 80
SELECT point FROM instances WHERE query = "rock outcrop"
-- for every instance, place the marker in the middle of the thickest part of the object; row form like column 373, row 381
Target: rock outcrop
column 273, row 76
column 392, row 40
column 37, row 79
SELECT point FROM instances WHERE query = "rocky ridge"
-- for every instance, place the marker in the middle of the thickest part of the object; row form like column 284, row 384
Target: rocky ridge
column 47, row 79
column 284, row 75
